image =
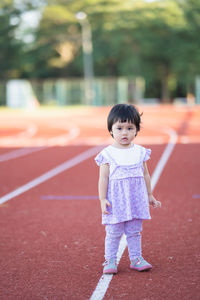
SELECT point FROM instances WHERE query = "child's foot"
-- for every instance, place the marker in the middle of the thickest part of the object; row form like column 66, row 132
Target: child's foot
column 110, row 267
column 140, row 264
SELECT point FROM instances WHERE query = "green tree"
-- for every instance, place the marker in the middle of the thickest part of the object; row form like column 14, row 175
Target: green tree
column 188, row 64
column 158, row 41
column 9, row 45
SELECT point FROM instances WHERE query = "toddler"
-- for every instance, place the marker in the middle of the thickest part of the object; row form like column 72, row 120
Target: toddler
column 124, row 188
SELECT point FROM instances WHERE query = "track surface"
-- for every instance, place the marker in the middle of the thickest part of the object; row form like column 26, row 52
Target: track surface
column 51, row 237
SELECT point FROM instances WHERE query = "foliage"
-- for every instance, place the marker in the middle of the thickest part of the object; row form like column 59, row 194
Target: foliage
column 158, row 40
column 10, row 47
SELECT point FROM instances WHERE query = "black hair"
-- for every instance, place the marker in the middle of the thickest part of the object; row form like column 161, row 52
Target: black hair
column 124, row 113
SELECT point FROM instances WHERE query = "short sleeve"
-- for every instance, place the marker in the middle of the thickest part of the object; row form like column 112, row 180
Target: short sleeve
column 101, row 159
column 147, row 154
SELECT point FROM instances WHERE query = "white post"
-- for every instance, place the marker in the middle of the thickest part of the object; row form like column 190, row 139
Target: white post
column 87, row 56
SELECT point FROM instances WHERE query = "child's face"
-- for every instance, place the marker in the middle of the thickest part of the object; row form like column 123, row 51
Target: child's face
column 123, row 133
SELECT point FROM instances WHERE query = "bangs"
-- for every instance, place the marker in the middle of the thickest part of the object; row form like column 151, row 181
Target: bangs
column 124, row 115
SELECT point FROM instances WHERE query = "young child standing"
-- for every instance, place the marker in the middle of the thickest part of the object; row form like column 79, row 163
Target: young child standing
column 124, row 188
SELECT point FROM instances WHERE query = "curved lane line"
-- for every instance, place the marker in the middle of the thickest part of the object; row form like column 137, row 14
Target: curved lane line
column 105, row 280
column 60, row 140
column 29, row 132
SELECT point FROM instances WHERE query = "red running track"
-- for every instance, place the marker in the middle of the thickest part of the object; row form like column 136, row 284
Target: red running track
column 53, row 249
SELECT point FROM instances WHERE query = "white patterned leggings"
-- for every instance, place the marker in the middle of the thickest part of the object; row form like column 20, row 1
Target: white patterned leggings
column 114, row 232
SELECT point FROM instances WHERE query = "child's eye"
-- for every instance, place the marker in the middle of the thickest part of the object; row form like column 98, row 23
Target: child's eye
column 119, row 128
column 130, row 128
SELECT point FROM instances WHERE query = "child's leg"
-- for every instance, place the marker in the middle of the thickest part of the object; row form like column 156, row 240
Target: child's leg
column 113, row 235
column 132, row 230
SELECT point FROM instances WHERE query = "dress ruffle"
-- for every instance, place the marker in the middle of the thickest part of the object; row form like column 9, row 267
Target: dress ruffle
column 147, row 154
column 101, row 160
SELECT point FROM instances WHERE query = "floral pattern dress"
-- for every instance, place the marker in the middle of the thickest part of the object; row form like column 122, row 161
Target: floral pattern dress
column 127, row 190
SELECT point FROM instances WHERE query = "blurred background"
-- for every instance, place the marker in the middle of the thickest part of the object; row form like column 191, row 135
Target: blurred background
column 96, row 52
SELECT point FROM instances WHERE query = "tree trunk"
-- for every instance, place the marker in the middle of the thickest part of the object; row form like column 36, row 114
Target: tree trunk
column 165, row 93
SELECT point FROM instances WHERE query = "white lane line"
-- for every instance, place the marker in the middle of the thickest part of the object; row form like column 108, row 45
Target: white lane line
column 53, row 172
column 60, row 140
column 27, row 133
column 19, row 152
column 105, row 280
column 165, row 156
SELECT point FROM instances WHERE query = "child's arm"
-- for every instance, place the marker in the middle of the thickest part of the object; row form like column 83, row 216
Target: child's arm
column 152, row 200
column 103, row 187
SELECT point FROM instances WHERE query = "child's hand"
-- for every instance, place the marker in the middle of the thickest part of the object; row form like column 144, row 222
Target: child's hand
column 154, row 202
column 104, row 204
